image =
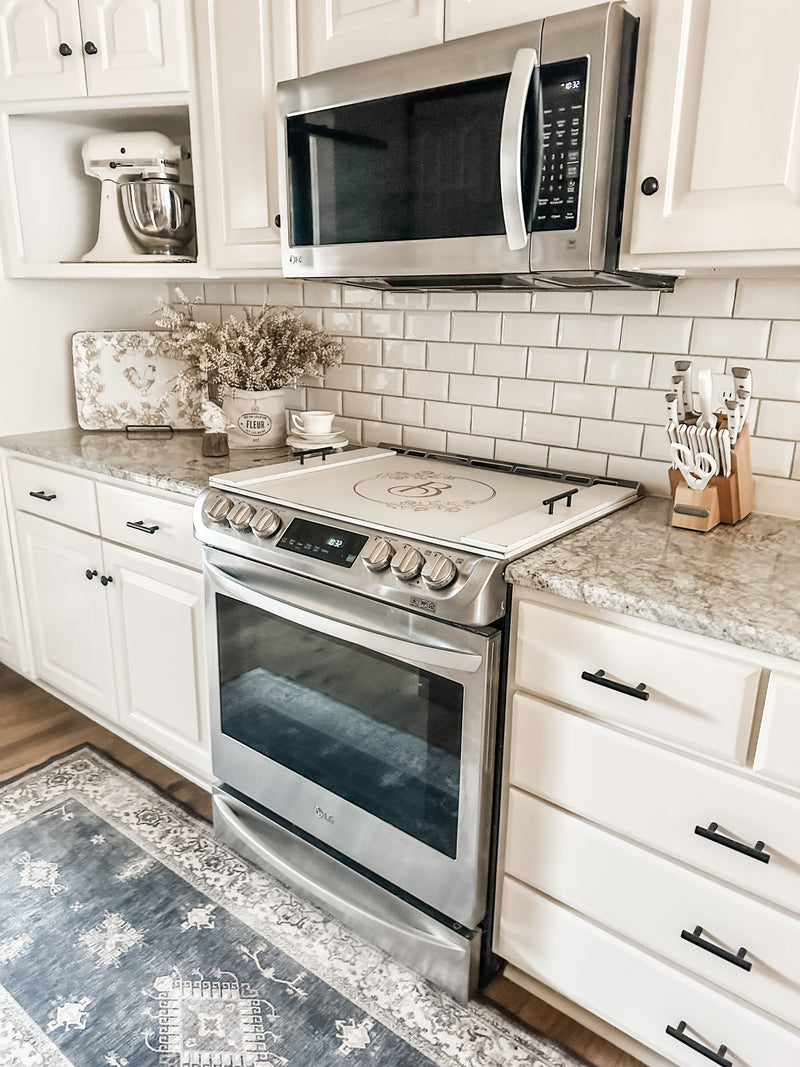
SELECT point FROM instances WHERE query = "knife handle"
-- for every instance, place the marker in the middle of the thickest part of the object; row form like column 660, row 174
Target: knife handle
column 599, row 678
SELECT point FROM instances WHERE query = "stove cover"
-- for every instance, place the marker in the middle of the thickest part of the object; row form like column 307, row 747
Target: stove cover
column 495, row 512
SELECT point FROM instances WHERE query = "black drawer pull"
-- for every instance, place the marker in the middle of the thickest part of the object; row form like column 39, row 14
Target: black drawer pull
column 756, row 851
column 551, row 502
column 140, row 525
column 709, row 1053
column 736, row 958
column 599, row 678
column 41, row 495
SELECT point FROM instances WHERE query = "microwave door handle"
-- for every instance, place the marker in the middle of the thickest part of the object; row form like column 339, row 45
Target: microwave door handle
column 522, row 71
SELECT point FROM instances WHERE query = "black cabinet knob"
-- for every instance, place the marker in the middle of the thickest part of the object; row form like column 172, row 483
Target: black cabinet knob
column 277, row 221
column 65, row 49
column 91, row 574
column 650, row 186
column 106, row 579
column 90, row 48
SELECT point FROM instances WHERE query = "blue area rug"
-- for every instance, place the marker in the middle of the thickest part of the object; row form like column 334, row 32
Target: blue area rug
column 131, row 937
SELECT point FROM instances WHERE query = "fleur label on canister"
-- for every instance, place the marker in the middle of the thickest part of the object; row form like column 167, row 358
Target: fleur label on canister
column 254, row 423
column 255, row 419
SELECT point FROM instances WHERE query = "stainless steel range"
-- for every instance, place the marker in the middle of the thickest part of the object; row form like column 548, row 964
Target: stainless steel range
column 355, row 607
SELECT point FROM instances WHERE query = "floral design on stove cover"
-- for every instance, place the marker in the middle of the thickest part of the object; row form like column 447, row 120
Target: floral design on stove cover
column 424, row 490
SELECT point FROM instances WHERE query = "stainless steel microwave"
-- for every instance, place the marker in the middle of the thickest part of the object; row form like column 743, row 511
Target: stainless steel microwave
column 493, row 161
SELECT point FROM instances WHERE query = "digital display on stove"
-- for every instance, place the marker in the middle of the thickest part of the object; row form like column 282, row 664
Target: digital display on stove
column 340, row 547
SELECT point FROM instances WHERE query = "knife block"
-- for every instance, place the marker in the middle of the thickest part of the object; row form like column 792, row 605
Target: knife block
column 723, row 500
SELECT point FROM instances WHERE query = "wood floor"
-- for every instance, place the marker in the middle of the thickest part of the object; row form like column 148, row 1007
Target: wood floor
column 34, row 726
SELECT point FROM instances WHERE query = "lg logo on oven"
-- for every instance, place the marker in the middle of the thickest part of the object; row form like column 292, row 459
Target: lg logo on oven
column 320, row 814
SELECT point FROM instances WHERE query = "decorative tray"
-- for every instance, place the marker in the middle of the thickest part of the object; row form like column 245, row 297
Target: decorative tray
column 124, row 380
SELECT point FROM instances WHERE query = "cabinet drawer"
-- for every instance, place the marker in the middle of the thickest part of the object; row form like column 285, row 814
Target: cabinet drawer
column 652, row 901
column 705, row 702
column 53, row 494
column 153, row 524
column 778, row 750
column 658, row 797
column 638, row 994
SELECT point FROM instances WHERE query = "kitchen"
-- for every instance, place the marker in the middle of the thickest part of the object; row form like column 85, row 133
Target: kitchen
column 571, row 380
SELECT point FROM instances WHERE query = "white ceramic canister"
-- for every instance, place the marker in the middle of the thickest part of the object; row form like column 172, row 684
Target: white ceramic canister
column 255, row 418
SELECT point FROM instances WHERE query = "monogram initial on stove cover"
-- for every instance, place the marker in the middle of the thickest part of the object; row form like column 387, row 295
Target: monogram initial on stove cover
column 424, row 490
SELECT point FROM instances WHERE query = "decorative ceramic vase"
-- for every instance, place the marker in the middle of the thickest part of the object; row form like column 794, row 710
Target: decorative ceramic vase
column 255, row 418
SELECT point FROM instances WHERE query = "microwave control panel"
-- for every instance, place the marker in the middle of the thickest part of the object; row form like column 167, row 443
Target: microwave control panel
column 563, row 107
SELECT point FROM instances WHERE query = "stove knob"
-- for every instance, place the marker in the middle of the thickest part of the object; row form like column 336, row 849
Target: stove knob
column 379, row 556
column 439, row 571
column 266, row 523
column 217, row 507
column 241, row 515
column 407, row 564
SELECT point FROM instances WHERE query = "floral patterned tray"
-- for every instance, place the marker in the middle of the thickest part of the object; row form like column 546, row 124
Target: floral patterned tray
column 124, row 379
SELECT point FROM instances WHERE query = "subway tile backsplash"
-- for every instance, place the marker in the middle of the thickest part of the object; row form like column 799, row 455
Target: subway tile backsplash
column 569, row 380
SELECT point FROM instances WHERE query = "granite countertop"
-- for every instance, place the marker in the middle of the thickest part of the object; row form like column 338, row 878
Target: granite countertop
column 736, row 583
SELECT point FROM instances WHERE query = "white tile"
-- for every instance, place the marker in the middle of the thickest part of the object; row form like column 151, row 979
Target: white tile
column 219, row 293
column 640, row 405
column 404, row 354
column 504, row 301
column 617, row 438
column 620, row 302
column 592, row 401
column 511, row 361
column 351, row 427
column 591, row 331
column 319, row 399
column 313, row 315
column 427, row 384
column 452, row 301
column 340, row 322
column 784, row 341
column 402, row 410
column 768, row 298
column 521, row 452
column 428, row 325
column 473, row 389
column 405, row 300
column 557, row 364
column 295, row 398
column 796, row 465
column 322, row 294
column 771, row 457
column 702, row 297
column 456, row 417
column 562, row 302
column 232, row 311
column 773, row 379
column 532, row 329
column 344, row 376
column 208, row 313
column 253, row 293
column 664, row 368
column 450, row 357
column 374, row 433
column 777, row 496
column 191, row 290
column 383, row 380
column 482, row 327
column 467, row 445
column 364, row 350
column 652, row 333
column 495, row 422
column 361, row 405
column 421, row 437
column 651, row 474
column 778, row 419
column 736, row 338
column 619, row 368
column 382, row 323
column 355, row 297
column 655, row 444
column 286, row 292
column 571, row 459
column 559, row 430
column 525, row 395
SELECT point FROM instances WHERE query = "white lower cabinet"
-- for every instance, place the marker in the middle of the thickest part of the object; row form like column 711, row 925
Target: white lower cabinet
column 13, row 644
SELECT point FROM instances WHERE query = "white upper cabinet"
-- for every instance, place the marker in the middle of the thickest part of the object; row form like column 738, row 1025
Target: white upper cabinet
column 56, row 49
column 719, row 133
column 463, row 17
column 334, row 33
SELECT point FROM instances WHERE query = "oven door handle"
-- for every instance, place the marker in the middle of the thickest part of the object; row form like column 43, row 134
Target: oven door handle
column 395, row 647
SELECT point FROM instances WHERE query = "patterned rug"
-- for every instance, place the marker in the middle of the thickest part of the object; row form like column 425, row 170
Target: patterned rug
column 131, row 937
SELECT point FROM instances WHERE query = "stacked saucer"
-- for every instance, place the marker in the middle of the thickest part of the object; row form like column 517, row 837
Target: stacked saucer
column 305, row 442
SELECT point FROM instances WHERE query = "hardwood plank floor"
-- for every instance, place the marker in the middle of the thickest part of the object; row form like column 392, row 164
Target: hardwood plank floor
column 34, row 726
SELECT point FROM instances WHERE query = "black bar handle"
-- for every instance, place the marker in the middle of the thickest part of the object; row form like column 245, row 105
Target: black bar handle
column 41, row 495
column 599, row 678
column 716, row 1057
column 140, row 525
column 551, row 502
column 755, row 851
column 736, row 958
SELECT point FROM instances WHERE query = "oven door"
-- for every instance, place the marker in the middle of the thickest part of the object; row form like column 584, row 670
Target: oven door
column 366, row 726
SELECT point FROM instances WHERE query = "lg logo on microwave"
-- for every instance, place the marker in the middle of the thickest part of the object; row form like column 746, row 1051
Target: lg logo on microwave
column 320, row 814
column 295, row 259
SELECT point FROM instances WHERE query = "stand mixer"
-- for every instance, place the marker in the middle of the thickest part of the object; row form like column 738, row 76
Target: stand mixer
column 146, row 214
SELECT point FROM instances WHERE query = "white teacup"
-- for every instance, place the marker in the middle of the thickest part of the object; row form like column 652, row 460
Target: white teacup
column 313, row 422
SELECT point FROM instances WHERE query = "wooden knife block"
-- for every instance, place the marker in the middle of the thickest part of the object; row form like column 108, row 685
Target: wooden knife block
column 723, row 500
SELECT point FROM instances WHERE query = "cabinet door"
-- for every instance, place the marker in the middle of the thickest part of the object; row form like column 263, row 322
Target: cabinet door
column 720, row 132
column 68, row 612
column 463, row 17
column 12, row 641
column 157, row 630
column 33, row 35
column 140, row 46
column 334, row 33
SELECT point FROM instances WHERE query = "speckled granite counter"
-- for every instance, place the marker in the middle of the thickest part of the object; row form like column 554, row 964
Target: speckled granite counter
column 736, row 583
column 174, row 463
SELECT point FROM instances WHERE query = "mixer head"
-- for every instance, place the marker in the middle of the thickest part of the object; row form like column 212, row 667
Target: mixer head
column 119, row 157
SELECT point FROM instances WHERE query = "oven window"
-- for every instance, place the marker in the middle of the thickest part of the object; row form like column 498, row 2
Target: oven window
column 381, row 733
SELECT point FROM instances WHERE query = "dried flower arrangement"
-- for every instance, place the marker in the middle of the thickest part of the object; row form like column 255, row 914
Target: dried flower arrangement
column 269, row 348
